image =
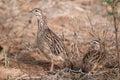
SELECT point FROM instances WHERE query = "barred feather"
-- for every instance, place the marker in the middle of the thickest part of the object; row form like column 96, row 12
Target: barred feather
column 47, row 41
column 93, row 59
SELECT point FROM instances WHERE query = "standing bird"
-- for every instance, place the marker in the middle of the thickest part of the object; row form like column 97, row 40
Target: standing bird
column 48, row 42
column 94, row 58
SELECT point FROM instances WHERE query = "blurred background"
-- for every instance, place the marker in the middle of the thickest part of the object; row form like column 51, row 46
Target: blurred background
column 77, row 22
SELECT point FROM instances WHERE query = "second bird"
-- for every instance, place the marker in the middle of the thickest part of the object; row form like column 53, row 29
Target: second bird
column 94, row 58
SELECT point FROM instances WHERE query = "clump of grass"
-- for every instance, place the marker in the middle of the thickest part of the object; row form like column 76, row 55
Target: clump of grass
column 8, row 77
column 115, row 18
column 113, row 14
column 6, row 58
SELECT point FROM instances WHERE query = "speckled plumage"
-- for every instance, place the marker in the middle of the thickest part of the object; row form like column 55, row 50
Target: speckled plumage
column 94, row 58
column 48, row 42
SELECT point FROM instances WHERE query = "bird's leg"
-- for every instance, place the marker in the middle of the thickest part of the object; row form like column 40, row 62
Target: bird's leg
column 52, row 66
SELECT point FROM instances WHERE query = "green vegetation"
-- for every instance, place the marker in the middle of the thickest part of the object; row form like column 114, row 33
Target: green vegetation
column 6, row 58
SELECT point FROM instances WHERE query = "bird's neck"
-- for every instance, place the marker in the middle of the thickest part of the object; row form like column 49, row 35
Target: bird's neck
column 42, row 23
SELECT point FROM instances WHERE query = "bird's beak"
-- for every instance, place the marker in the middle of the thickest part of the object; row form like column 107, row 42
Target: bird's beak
column 30, row 11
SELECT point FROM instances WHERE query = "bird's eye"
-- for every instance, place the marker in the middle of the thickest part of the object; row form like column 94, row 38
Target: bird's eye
column 36, row 10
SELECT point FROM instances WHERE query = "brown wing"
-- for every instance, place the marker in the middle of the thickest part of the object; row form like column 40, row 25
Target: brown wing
column 92, row 60
column 43, row 46
column 93, row 56
column 55, row 43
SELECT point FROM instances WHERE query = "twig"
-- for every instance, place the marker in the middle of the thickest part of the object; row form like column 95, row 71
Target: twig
column 116, row 31
column 20, row 77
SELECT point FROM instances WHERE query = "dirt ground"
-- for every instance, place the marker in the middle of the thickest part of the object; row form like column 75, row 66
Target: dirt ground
column 71, row 20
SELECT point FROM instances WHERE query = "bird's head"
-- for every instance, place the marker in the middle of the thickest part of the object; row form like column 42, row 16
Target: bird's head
column 42, row 22
column 37, row 12
column 95, row 44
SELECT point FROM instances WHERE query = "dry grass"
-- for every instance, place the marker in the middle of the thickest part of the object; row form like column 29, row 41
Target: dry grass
column 76, row 21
